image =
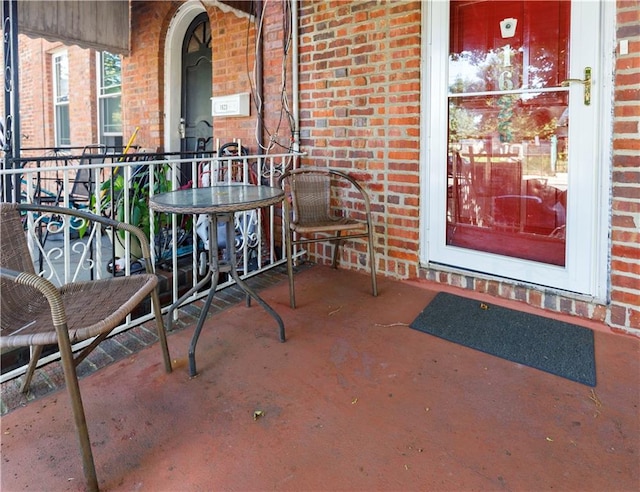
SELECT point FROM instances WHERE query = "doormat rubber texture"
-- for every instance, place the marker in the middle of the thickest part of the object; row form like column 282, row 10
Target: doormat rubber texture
column 553, row 346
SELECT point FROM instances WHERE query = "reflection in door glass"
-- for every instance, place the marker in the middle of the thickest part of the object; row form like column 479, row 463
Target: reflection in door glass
column 508, row 119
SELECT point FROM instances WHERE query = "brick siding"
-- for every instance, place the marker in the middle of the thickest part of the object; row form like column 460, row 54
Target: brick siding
column 359, row 73
column 36, row 93
column 360, row 112
column 360, row 109
column 143, row 73
column 233, row 43
column 625, row 221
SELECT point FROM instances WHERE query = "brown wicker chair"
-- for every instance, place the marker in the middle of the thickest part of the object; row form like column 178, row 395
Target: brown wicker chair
column 315, row 210
column 37, row 313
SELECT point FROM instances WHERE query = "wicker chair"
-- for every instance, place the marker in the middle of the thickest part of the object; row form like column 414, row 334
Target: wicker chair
column 36, row 313
column 315, row 210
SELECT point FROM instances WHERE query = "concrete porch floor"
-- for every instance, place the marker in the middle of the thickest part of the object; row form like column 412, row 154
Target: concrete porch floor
column 354, row 400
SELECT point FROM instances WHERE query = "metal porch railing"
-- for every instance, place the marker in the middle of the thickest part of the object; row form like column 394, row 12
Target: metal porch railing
column 118, row 185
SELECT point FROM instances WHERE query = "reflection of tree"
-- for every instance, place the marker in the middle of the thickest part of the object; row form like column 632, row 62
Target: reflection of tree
column 462, row 122
column 465, row 74
column 534, row 122
column 508, row 117
column 506, row 104
column 478, row 71
column 112, row 73
column 512, row 121
column 542, row 73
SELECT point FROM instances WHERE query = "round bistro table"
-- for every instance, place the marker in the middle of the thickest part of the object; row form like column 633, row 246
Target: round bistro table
column 219, row 203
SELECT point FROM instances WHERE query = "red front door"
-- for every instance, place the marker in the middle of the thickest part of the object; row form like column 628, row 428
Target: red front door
column 507, row 134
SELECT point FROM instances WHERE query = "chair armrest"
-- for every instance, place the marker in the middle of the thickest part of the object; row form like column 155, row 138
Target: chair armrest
column 105, row 221
column 46, row 288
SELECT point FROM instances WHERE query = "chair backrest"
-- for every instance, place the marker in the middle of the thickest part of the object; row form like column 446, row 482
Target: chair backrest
column 321, row 194
column 234, row 169
column 14, row 252
column 225, row 169
column 16, row 299
column 311, row 197
column 82, row 185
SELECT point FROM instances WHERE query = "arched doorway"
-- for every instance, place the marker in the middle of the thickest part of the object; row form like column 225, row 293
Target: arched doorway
column 195, row 115
column 189, row 22
column 196, row 86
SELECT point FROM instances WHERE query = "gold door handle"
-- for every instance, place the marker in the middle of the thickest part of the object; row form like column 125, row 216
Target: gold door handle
column 586, row 82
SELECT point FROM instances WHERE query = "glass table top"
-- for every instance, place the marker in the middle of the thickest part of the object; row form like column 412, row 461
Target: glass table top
column 216, row 199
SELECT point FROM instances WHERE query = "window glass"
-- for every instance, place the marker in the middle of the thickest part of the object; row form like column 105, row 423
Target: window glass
column 111, row 115
column 61, row 98
column 110, row 100
column 111, row 74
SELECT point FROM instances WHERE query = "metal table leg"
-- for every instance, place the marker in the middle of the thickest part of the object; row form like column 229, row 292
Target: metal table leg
column 227, row 265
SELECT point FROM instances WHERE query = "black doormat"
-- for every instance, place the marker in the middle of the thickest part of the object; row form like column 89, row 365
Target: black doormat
column 556, row 347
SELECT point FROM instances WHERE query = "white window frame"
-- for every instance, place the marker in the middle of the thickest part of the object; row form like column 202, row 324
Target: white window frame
column 57, row 103
column 101, row 96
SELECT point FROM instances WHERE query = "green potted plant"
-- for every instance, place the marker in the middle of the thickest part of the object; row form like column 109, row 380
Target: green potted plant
column 112, row 203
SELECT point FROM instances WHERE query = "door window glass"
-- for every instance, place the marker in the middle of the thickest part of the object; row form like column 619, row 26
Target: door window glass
column 507, row 133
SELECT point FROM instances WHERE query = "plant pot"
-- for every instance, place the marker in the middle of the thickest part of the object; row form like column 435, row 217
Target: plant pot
column 135, row 251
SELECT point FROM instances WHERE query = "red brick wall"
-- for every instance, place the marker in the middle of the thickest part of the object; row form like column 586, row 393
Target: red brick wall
column 142, row 80
column 278, row 130
column 625, row 222
column 360, row 112
column 359, row 73
column 143, row 73
column 36, row 93
column 233, row 43
column 82, row 96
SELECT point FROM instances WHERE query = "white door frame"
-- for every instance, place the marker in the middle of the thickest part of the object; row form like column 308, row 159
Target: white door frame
column 173, row 71
column 589, row 280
